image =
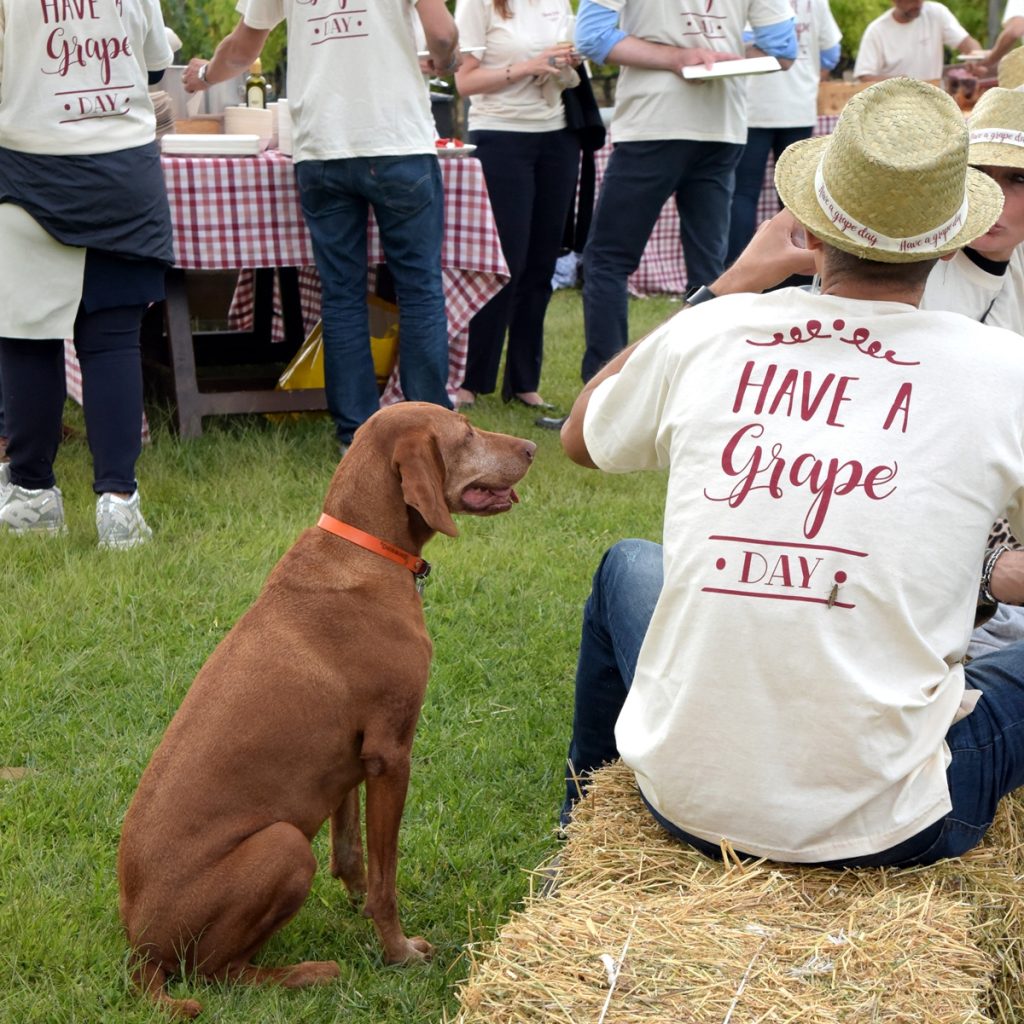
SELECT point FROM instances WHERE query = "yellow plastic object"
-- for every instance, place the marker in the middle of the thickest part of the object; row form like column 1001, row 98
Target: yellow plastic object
column 306, row 370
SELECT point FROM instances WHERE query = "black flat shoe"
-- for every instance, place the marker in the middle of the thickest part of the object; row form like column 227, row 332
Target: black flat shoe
column 550, row 422
column 536, row 406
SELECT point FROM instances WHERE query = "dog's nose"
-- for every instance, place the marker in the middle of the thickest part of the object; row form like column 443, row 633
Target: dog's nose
column 529, row 450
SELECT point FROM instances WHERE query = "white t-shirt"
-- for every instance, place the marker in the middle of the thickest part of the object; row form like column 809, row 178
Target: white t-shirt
column 913, row 49
column 654, row 105
column 354, row 82
column 790, row 100
column 535, row 25
column 73, row 76
column 1014, row 9
column 806, row 438
column 963, row 287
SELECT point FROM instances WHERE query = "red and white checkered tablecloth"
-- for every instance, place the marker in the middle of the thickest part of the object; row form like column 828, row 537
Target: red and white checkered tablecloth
column 662, row 267
column 233, row 213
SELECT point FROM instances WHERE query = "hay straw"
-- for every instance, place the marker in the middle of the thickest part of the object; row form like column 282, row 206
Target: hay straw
column 715, row 943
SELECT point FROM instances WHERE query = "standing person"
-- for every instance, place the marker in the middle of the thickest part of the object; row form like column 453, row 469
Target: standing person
column 845, row 730
column 363, row 139
column 671, row 136
column 782, row 109
column 530, row 162
column 85, row 239
column 909, row 41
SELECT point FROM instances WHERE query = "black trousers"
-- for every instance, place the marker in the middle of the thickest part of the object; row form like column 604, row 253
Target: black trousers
column 531, row 179
column 107, row 343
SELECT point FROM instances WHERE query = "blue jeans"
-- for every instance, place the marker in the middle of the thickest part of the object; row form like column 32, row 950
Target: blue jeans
column 406, row 194
column 640, row 178
column 987, row 746
column 750, row 178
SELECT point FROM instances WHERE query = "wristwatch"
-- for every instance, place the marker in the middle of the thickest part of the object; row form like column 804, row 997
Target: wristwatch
column 697, row 295
column 201, row 73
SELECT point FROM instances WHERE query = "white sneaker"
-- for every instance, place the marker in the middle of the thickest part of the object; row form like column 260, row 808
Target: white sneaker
column 119, row 522
column 31, row 511
column 5, row 478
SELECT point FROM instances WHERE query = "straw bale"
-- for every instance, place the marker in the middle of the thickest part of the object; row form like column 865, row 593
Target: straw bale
column 643, row 929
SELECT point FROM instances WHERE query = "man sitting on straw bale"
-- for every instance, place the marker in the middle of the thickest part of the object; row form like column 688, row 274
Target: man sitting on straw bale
column 786, row 674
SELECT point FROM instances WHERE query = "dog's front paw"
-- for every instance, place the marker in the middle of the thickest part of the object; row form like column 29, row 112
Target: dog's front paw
column 410, row 951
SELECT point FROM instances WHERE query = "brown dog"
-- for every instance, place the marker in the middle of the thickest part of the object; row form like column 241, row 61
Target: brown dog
column 316, row 689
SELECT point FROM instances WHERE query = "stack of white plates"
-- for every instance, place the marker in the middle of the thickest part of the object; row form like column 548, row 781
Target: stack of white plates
column 211, row 145
column 249, row 121
column 284, row 126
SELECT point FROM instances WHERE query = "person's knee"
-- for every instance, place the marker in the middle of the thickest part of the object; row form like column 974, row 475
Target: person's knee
column 634, row 564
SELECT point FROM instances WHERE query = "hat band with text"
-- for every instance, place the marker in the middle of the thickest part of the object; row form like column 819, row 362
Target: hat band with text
column 928, row 241
column 1000, row 136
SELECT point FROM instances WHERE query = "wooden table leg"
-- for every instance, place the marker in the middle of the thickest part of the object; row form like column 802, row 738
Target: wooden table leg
column 184, row 382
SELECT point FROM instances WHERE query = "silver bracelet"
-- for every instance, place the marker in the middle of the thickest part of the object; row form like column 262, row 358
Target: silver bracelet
column 985, row 591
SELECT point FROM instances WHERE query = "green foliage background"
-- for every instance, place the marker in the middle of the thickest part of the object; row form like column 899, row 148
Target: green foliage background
column 202, row 25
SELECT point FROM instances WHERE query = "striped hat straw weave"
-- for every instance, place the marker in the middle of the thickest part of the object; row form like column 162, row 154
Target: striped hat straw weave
column 892, row 182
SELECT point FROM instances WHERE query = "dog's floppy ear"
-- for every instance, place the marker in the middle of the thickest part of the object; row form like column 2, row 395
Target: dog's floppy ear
column 421, row 470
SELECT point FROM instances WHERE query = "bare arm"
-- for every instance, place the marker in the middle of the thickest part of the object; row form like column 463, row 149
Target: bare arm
column 234, row 54
column 1007, row 584
column 969, row 45
column 777, row 251
column 1005, row 42
column 441, row 33
column 572, row 430
column 641, row 53
column 472, row 79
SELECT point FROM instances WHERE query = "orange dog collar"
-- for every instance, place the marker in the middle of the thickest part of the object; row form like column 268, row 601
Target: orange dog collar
column 419, row 567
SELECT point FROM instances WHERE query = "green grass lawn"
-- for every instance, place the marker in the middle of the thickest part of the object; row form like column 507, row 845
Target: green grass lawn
column 98, row 649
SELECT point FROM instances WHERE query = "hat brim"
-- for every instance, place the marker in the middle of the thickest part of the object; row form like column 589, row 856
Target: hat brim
column 992, row 154
column 794, row 181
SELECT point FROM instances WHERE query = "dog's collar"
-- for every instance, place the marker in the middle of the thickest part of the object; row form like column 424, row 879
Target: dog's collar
column 419, row 567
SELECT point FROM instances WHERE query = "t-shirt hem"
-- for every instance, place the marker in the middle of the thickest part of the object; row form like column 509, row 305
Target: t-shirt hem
column 503, row 124
column 300, row 155
column 861, row 846
column 680, row 135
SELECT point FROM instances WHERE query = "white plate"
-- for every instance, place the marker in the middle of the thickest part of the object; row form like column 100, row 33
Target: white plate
column 729, row 68
column 973, row 55
column 473, row 51
column 456, row 151
column 212, row 145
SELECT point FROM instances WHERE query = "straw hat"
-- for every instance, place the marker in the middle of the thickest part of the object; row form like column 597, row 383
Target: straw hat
column 997, row 129
column 1011, row 69
column 891, row 183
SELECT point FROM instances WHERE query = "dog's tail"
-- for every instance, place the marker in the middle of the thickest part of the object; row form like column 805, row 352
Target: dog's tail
column 151, row 979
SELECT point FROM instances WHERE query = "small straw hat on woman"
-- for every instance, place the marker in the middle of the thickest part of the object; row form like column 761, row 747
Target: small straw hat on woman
column 892, row 182
column 997, row 129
